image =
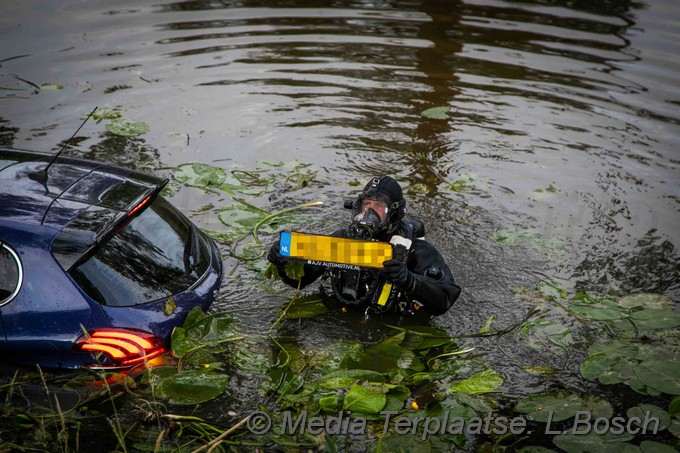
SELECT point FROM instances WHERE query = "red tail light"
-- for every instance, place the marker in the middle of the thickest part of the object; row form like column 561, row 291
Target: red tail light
column 123, row 347
column 139, row 206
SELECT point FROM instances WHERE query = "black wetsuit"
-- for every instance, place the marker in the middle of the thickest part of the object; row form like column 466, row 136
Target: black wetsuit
column 434, row 287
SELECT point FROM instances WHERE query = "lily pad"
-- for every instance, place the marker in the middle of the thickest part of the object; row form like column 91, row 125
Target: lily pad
column 126, row 127
column 192, row 387
column 592, row 442
column 596, row 365
column 650, row 446
column 556, row 406
column 199, row 175
column 674, row 406
column 662, row 376
column 437, row 113
column 648, row 411
column 599, row 308
column 365, row 400
column 345, row 378
column 484, row 382
column 650, row 319
column 241, row 219
column 647, row 300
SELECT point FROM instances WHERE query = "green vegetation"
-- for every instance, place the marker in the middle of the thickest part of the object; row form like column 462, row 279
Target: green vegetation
column 603, row 355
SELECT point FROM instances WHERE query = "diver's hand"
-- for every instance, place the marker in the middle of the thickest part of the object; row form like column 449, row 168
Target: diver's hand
column 395, row 271
column 274, row 256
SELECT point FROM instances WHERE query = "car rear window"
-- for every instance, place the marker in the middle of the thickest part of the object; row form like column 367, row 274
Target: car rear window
column 158, row 254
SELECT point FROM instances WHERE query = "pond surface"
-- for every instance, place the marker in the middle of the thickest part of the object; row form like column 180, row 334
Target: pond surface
column 554, row 123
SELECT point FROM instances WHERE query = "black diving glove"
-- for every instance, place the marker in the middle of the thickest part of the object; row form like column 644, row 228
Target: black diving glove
column 396, row 272
column 274, row 256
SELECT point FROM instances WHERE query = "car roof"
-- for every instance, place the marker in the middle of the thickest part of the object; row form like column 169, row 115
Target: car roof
column 78, row 199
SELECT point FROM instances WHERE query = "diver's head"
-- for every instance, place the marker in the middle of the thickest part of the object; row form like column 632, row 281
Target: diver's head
column 378, row 209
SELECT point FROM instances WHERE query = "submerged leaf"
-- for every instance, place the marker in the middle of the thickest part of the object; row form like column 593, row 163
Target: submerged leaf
column 306, row 307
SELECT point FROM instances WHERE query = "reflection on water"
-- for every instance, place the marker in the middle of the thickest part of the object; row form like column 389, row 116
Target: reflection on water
column 576, row 99
column 561, row 117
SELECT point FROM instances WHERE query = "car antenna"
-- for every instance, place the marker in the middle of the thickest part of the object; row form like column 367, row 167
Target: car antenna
column 41, row 177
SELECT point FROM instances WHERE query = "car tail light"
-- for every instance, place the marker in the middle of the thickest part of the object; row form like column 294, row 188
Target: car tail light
column 123, row 347
column 139, row 206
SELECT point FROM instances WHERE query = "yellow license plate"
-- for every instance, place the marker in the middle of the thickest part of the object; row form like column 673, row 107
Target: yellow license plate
column 333, row 251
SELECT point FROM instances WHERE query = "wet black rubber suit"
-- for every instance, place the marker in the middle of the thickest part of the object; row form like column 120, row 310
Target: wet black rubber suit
column 428, row 282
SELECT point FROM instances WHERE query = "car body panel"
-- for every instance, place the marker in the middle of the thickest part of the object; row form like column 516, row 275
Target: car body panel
column 58, row 217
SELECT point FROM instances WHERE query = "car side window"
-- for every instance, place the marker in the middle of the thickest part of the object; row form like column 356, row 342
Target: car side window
column 11, row 273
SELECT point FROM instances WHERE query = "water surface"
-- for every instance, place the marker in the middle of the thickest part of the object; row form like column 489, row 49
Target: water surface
column 563, row 118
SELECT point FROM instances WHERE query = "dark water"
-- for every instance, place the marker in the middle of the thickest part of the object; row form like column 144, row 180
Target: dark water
column 580, row 97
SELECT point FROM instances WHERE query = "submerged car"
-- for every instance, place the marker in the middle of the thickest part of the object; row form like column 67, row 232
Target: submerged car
column 96, row 267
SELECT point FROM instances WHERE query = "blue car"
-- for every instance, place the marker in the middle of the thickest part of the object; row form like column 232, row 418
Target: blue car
column 96, row 267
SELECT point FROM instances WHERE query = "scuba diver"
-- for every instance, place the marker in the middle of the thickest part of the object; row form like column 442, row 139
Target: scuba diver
column 419, row 276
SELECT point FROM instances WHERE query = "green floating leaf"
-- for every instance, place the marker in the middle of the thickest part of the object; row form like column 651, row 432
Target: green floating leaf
column 369, row 400
column 662, row 376
column 595, row 307
column 647, row 412
column 329, row 404
column 103, row 113
column 199, row 175
column 419, row 338
column 596, row 365
column 192, row 387
column 346, row 378
column 126, row 127
column 650, row 319
column 598, row 407
column 484, row 382
column 647, row 300
column 437, row 113
column 650, row 446
column 591, row 442
column 241, row 219
column 394, row 443
column 596, row 312
column 200, row 330
column 674, row 406
column 543, row 406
